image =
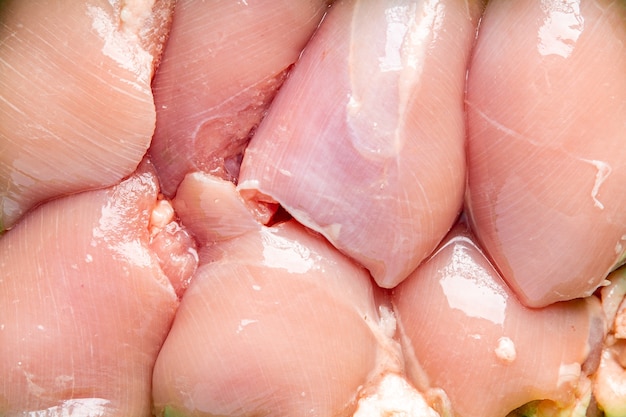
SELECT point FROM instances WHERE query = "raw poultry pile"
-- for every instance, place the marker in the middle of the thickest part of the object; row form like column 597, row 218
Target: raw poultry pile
column 298, row 208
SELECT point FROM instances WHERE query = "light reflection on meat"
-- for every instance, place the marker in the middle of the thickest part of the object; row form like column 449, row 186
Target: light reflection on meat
column 160, row 281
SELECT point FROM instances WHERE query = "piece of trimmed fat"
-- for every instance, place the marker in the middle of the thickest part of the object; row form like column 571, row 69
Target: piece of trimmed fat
column 394, row 397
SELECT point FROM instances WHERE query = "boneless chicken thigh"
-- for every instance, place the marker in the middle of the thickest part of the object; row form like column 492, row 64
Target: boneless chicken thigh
column 84, row 304
column 275, row 322
column 365, row 141
column 193, row 288
column 546, row 106
column 76, row 108
column 465, row 332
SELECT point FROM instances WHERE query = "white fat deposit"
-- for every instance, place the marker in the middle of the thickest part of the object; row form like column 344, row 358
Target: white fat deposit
column 162, row 214
column 394, row 397
column 92, row 407
column 505, row 350
column 569, row 374
column 123, row 47
column 134, row 14
column 388, row 322
column 603, row 170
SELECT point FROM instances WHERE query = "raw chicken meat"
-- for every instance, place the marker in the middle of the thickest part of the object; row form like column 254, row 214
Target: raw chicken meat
column 76, row 108
column 464, row 332
column 365, row 142
column 546, row 106
column 275, row 322
column 204, row 202
column 223, row 64
column 84, row 304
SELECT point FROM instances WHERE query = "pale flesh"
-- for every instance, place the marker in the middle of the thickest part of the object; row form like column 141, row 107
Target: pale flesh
column 76, row 108
column 364, row 143
column 84, row 305
column 546, row 106
column 503, row 348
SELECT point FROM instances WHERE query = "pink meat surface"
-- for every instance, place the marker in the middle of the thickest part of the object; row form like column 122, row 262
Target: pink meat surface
column 84, row 304
column 76, row 107
column 466, row 333
column 546, row 108
column 275, row 322
column 224, row 62
column 212, row 209
column 365, row 142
